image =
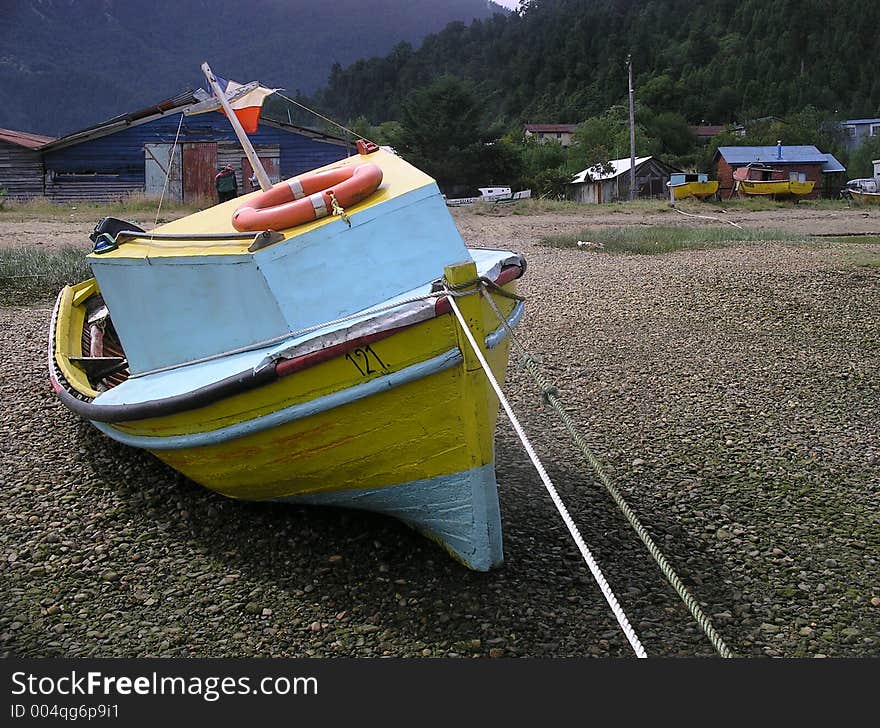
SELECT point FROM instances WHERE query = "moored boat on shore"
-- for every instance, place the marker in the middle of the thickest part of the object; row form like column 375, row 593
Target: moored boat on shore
column 313, row 361
column 762, row 180
column 865, row 199
column 686, row 184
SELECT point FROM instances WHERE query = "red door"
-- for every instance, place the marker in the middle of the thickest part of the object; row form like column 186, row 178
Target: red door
column 199, row 170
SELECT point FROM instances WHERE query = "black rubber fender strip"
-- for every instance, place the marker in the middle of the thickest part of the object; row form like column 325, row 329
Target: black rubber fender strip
column 202, row 397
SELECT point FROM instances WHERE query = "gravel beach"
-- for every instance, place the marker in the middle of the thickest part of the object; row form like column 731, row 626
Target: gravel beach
column 733, row 394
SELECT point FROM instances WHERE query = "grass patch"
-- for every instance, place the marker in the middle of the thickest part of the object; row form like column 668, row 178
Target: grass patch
column 134, row 205
column 759, row 203
column 530, row 206
column 656, row 239
column 28, row 275
column 851, row 239
column 866, row 260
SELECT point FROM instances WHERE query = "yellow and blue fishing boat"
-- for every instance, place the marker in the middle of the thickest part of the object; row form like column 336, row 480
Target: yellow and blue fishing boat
column 315, row 362
column 760, row 180
column 687, row 184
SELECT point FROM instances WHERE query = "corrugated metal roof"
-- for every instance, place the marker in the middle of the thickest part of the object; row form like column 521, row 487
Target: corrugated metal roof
column 174, row 104
column 170, row 106
column 24, row 139
column 807, row 154
column 861, row 121
column 596, row 171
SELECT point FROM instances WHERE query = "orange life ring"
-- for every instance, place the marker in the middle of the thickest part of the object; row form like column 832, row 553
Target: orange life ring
column 303, row 199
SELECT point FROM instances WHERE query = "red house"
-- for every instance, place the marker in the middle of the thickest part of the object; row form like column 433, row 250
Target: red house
column 806, row 162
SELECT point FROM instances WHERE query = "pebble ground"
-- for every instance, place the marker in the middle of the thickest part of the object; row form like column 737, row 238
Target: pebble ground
column 733, row 394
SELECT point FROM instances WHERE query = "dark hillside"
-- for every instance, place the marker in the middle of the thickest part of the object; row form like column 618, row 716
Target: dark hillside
column 66, row 64
column 564, row 60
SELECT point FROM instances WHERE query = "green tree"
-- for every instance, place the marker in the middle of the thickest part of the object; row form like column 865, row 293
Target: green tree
column 861, row 159
column 442, row 132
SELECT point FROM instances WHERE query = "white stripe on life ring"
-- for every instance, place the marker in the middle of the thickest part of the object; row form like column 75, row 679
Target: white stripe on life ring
column 296, row 188
column 319, row 205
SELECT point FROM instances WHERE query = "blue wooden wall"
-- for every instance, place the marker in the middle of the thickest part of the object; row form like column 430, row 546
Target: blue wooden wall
column 111, row 165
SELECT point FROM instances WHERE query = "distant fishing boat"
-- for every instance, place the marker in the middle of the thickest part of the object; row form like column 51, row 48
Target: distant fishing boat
column 762, row 180
column 686, row 184
column 498, row 195
column 296, row 344
column 861, row 197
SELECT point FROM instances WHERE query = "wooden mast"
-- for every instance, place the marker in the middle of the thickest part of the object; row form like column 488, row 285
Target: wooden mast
column 250, row 152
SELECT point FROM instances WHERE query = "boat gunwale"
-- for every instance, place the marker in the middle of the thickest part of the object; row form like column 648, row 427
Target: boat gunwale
column 234, row 384
column 292, row 413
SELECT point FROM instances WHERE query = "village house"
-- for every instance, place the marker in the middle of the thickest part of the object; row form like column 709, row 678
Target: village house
column 133, row 153
column 559, row 133
column 609, row 182
column 705, row 132
column 801, row 163
column 858, row 131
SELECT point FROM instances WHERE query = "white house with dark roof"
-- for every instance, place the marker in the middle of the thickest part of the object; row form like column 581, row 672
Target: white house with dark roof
column 543, row 133
column 609, row 182
column 858, row 131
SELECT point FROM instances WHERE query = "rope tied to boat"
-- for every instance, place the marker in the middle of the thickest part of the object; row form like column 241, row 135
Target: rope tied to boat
column 550, row 395
column 619, row 614
column 337, row 209
column 470, row 287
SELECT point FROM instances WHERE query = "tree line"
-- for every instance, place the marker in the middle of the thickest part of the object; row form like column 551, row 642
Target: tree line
column 457, row 104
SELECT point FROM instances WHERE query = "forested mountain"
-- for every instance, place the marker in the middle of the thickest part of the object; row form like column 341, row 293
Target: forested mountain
column 716, row 61
column 66, row 64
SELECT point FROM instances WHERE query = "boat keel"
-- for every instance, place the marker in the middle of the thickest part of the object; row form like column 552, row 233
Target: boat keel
column 459, row 511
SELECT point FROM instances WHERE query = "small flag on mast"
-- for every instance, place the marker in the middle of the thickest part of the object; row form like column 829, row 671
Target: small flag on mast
column 247, row 107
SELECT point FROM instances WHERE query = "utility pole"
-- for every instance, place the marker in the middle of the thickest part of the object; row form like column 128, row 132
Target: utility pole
column 632, row 133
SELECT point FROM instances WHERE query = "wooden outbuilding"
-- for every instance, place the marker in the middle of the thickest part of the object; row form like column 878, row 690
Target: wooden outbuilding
column 21, row 168
column 133, row 153
column 609, row 182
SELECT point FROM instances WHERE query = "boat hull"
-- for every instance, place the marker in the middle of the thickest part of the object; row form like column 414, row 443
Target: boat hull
column 778, row 188
column 399, row 423
column 865, row 198
column 700, row 190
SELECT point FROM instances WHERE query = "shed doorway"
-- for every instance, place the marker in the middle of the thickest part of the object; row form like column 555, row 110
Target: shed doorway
column 192, row 166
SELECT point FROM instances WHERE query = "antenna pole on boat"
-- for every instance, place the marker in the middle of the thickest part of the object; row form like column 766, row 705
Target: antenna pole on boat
column 250, row 152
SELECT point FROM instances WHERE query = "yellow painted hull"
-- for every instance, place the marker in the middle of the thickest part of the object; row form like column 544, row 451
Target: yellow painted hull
column 700, row 190
column 866, row 198
column 440, row 424
column 775, row 187
column 295, row 369
column 424, row 429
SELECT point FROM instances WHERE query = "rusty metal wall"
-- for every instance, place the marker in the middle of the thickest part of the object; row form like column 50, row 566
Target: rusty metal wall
column 199, row 170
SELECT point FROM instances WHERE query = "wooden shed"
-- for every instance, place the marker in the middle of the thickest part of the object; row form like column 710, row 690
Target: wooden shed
column 21, row 168
column 133, row 153
column 609, row 182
